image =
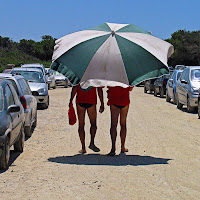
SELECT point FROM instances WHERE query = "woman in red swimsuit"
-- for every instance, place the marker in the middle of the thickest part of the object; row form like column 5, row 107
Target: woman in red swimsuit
column 118, row 100
column 87, row 100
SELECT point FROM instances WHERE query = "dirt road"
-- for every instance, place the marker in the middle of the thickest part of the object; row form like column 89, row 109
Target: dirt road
column 163, row 161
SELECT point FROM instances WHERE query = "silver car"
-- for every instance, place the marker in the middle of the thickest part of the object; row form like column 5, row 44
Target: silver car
column 28, row 101
column 35, row 65
column 188, row 88
column 37, row 83
column 51, row 78
column 61, row 80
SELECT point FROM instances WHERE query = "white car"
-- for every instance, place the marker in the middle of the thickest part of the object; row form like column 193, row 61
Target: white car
column 35, row 65
column 61, row 80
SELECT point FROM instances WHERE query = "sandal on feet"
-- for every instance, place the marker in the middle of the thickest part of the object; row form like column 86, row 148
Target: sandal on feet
column 124, row 150
column 94, row 148
column 112, row 153
column 82, row 151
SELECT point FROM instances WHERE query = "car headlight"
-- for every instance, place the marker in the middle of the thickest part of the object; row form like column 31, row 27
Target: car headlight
column 42, row 90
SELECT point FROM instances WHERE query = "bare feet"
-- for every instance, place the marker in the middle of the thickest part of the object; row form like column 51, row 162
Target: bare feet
column 82, row 151
column 123, row 150
column 94, row 148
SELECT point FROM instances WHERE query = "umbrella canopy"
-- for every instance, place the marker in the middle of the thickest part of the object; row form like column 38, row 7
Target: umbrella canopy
column 111, row 55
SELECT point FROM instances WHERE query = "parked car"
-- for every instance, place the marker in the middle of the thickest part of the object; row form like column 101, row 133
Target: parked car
column 149, row 85
column 7, row 71
column 11, row 122
column 160, row 85
column 187, row 88
column 61, row 80
column 171, row 86
column 35, row 65
column 51, row 78
column 37, row 83
column 28, row 101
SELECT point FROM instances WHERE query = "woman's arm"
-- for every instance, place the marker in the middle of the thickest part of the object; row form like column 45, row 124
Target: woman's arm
column 73, row 93
column 100, row 94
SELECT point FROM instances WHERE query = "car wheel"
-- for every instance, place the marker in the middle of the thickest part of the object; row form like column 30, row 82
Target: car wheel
column 35, row 122
column 48, row 86
column 54, row 86
column 167, row 97
column 179, row 105
column 199, row 108
column 19, row 145
column 161, row 92
column 189, row 107
column 145, row 90
column 175, row 99
column 155, row 93
column 46, row 105
column 27, row 130
column 5, row 155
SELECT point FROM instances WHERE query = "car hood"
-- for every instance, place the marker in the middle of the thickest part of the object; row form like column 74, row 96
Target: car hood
column 37, row 86
column 60, row 77
column 196, row 84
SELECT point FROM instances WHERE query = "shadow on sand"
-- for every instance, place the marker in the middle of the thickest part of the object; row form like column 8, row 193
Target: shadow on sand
column 118, row 160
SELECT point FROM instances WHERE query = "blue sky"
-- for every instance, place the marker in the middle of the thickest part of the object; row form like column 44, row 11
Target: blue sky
column 28, row 19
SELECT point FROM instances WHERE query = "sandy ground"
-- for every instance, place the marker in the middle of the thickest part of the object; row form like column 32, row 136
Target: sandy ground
column 162, row 162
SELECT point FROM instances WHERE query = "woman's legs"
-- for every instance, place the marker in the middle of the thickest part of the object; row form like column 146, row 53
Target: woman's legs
column 114, row 111
column 81, row 130
column 123, row 116
column 92, row 114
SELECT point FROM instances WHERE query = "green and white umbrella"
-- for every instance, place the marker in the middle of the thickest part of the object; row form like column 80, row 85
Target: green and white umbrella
column 111, row 55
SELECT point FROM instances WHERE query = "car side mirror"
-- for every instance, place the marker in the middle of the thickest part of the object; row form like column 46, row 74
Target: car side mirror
column 13, row 108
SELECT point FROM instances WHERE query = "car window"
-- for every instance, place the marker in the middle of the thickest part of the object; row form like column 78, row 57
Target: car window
column 14, row 85
column 195, row 75
column 1, row 99
column 14, row 93
column 172, row 75
column 183, row 76
column 24, row 87
column 31, row 76
column 9, row 96
column 178, row 75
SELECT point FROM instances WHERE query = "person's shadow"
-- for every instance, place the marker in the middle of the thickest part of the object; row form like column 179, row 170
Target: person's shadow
column 118, row 160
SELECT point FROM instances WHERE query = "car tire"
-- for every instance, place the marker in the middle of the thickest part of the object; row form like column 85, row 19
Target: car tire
column 190, row 109
column 28, row 131
column 161, row 92
column 46, row 105
column 179, row 105
column 167, row 97
column 155, row 93
column 54, row 87
column 199, row 108
column 35, row 122
column 19, row 145
column 145, row 90
column 175, row 99
column 5, row 155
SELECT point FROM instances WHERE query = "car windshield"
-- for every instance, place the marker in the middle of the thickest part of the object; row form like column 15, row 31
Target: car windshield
column 31, row 76
column 1, row 99
column 195, row 75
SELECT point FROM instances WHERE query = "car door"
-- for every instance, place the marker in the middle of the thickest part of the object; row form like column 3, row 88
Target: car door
column 15, row 116
column 170, row 84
